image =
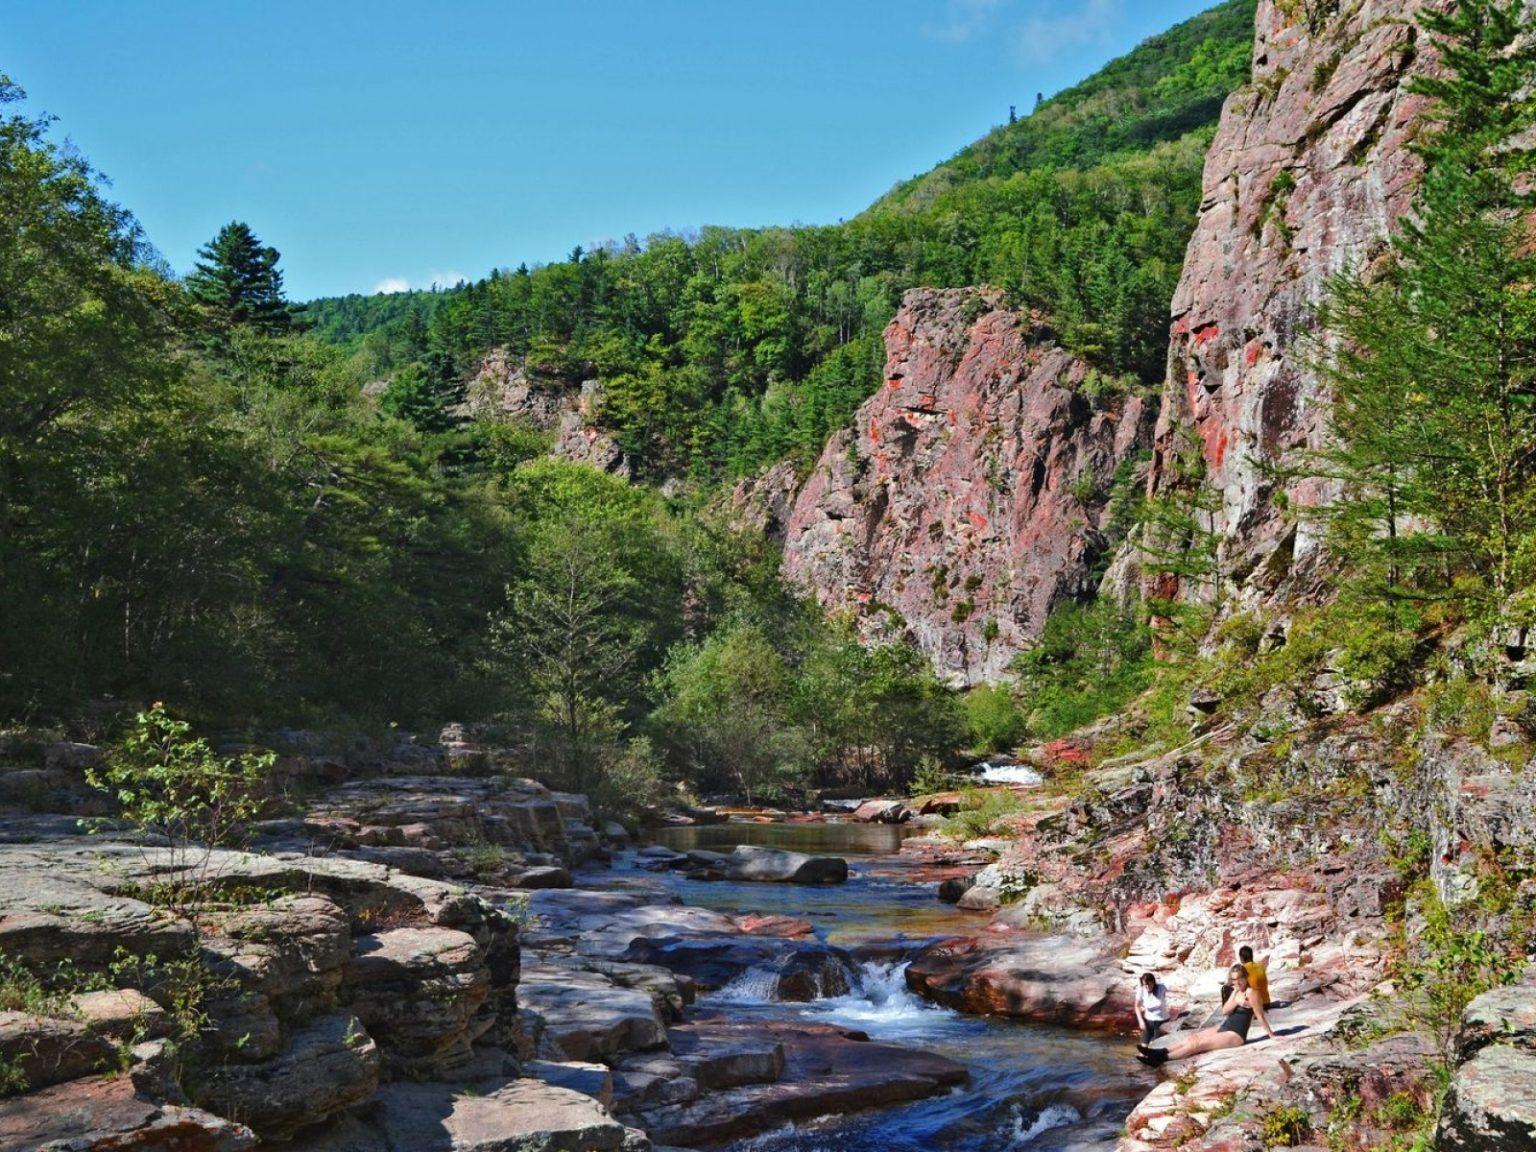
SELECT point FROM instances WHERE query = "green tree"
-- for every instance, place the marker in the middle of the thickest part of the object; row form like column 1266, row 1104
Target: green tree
column 726, row 707
column 237, row 282
column 1434, row 378
column 425, row 393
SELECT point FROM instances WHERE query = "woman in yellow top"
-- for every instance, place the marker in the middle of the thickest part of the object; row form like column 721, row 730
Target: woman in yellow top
column 1258, row 973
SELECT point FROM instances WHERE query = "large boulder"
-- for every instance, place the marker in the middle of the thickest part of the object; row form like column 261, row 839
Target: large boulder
column 109, row 1114
column 1047, row 979
column 776, row 866
column 1492, row 1102
column 327, row 1067
column 1491, row 1106
column 590, row 1016
column 422, row 993
column 881, row 812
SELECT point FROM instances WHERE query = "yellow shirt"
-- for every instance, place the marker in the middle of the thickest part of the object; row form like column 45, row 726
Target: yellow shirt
column 1258, row 980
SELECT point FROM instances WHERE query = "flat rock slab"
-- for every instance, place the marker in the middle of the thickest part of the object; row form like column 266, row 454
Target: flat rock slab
column 492, row 1116
column 590, row 1016
column 606, row 923
column 1048, row 979
column 825, row 1070
column 107, row 1113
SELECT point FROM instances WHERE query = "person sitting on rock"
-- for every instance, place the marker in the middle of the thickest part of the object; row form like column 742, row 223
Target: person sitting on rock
column 1242, row 1008
column 1151, row 1006
column 1258, row 973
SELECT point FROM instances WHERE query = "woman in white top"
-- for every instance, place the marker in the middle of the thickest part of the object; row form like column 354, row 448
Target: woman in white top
column 1151, row 1006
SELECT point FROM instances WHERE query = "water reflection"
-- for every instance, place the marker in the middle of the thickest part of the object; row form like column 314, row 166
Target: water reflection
column 818, row 839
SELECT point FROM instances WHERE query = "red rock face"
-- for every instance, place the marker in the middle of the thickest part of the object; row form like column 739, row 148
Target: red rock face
column 1307, row 176
column 969, row 497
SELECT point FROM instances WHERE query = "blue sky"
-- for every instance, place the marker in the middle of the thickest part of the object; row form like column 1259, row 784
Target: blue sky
column 380, row 144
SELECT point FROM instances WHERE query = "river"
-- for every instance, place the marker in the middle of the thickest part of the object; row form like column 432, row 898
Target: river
column 1031, row 1087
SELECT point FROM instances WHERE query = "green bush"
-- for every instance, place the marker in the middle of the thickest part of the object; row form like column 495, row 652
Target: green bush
column 996, row 723
column 1091, row 661
column 983, row 812
column 174, row 790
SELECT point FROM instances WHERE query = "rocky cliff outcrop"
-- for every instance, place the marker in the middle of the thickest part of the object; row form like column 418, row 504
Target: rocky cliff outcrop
column 972, row 493
column 508, row 388
column 1309, row 172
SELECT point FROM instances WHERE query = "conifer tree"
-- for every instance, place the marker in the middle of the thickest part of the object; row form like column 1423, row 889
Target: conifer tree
column 1434, row 379
column 425, row 392
column 238, row 282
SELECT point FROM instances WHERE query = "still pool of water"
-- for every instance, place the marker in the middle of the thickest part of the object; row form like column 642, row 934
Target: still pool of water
column 819, row 839
column 887, row 897
column 1031, row 1087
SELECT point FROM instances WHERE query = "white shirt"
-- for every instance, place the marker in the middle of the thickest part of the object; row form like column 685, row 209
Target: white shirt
column 1153, row 1004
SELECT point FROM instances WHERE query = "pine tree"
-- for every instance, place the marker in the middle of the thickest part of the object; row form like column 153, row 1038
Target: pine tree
column 425, row 393
column 1434, row 379
column 238, row 282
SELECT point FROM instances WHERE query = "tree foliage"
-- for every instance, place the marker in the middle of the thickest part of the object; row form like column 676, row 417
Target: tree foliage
column 1434, row 377
column 724, row 350
column 237, row 282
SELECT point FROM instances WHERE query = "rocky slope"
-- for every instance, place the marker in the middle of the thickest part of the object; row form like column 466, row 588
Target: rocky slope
column 365, row 979
column 972, row 493
column 1297, row 846
column 508, row 388
column 1309, row 172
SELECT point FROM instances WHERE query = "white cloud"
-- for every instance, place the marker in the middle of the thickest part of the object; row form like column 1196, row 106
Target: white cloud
column 392, row 284
column 1087, row 22
column 963, row 21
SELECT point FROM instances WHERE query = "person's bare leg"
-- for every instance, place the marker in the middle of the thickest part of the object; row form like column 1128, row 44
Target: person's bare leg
column 1206, row 1040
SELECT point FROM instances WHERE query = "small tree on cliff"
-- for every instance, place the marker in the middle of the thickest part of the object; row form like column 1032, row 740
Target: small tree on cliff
column 238, row 282
column 1434, row 410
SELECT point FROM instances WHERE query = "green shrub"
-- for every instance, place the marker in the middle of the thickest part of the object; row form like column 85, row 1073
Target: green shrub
column 1285, row 1126
column 994, row 718
column 1091, row 661
column 982, row 812
column 174, row 790
column 1447, row 964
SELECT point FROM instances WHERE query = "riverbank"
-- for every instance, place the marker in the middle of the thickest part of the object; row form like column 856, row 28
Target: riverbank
column 459, row 957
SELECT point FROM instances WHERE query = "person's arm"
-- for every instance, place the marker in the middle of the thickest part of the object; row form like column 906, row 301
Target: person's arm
column 1231, row 1003
column 1259, row 1014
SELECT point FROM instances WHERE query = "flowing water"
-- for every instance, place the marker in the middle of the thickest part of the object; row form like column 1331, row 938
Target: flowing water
column 1031, row 1087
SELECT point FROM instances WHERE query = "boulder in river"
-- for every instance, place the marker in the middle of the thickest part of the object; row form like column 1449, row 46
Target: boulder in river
column 1046, row 979
column 776, row 866
column 881, row 812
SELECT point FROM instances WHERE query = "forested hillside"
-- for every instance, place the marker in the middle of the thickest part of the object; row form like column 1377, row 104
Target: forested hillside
column 725, row 350
column 201, row 505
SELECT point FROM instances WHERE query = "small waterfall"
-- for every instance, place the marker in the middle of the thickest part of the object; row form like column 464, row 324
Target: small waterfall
column 1010, row 774
column 803, row 976
column 1051, row 1116
column 882, row 1005
column 753, row 986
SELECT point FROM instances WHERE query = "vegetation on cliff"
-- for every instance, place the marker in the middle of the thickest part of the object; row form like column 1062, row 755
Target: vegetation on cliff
column 725, row 350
